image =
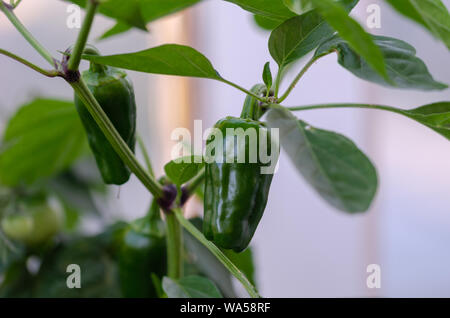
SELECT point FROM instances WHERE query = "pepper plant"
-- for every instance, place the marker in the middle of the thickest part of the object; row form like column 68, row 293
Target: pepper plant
column 235, row 194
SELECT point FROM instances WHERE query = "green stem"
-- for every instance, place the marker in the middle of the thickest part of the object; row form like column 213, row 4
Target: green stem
column 218, row 254
column 278, row 81
column 16, row 4
column 299, row 76
column 26, row 34
column 242, row 89
column 349, row 105
column 114, row 137
column 195, row 182
column 52, row 73
column 75, row 57
column 174, row 246
column 148, row 162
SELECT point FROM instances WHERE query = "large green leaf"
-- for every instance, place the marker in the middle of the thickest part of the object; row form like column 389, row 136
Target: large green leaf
column 331, row 163
column 299, row 6
column 138, row 13
column 265, row 23
column 169, row 59
column 351, row 31
column 41, row 139
column 274, row 9
column 155, row 9
column 297, row 37
column 432, row 14
column 404, row 69
column 126, row 11
column 190, row 287
column 118, row 28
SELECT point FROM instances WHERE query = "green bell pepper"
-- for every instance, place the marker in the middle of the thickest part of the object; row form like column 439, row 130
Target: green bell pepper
column 236, row 193
column 114, row 92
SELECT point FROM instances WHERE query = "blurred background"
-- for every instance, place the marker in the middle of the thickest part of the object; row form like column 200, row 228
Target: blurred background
column 303, row 247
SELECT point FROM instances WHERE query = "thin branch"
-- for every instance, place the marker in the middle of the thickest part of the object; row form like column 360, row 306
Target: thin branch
column 51, row 73
column 243, row 90
column 146, row 156
column 349, row 105
column 8, row 11
column 75, row 57
column 299, row 76
column 195, row 183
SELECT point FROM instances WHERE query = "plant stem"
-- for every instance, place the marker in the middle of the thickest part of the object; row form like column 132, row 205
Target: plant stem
column 52, row 73
column 195, row 182
column 278, row 81
column 243, row 90
column 26, row 34
column 114, row 137
column 146, row 156
column 75, row 57
column 349, row 105
column 174, row 246
column 16, row 4
column 299, row 76
column 218, row 254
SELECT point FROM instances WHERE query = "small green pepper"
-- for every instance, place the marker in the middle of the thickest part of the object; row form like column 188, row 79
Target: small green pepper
column 35, row 226
column 141, row 253
column 114, row 92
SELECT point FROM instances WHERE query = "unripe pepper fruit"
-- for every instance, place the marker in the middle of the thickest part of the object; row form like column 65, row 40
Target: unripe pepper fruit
column 114, row 92
column 236, row 193
column 142, row 252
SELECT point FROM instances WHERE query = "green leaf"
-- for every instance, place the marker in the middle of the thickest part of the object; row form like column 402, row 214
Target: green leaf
column 138, row 13
column 243, row 261
column 435, row 116
column 190, row 287
column 404, row 69
column 76, row 186
column 331, row 163
column 125, row 11
column 169, row 59
column 351, row 31
column 99, row 272
column 205, row 263
column 43, row 138
column 267, row 75
column 212, row 268
column 118, row 28
column 154, row 9
column 299, row 6
column 297, row 37
column 274, row 9
column 265, row 23
column 431, row 14
column 181, row 170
